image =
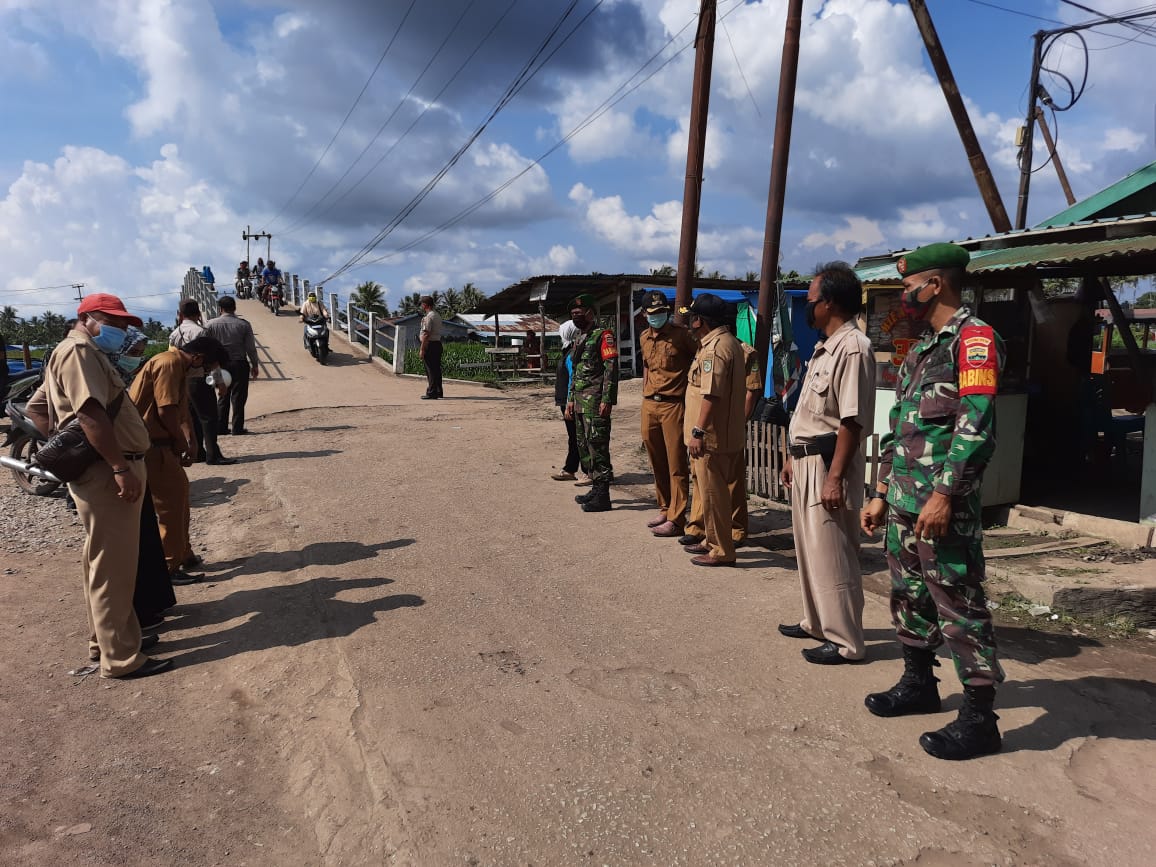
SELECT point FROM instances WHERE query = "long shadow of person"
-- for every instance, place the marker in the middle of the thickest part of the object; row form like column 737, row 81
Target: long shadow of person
column 313, row 554
column 213, row 490
column 286, row 615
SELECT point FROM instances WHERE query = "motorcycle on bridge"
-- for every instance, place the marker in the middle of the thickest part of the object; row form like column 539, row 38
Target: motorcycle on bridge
column 317, row 337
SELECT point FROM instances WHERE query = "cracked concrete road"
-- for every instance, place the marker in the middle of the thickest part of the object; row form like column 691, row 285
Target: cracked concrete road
column 413, row 648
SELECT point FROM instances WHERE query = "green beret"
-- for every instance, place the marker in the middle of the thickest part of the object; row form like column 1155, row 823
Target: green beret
column 933, row 256
column 585, row 301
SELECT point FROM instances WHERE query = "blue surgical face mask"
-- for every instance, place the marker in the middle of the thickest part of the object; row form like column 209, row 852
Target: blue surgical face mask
column 657, row 320
column 129, row 363
column 110, row 338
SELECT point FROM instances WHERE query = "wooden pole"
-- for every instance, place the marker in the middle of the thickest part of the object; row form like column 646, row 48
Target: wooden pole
column 695, row 151
column 777, row 194
column 1050, row 142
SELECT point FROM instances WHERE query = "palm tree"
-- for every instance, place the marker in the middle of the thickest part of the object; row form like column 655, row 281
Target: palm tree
column 410, row 304
column 664, row 271
column 8, row 320
column 471, row 297
column 451, row 303
column 751, row 276
column 369, row 296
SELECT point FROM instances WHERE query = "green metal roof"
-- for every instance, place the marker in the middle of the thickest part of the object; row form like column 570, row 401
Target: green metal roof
column 1135, row 194
column 876, row 271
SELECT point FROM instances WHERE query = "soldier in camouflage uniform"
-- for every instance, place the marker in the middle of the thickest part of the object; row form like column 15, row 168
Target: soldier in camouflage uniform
column 593, row 393
column 941, row 437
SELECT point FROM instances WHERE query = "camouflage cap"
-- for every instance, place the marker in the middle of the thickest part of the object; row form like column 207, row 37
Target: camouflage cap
column 585, row 301
column 655, row 302
column 933, row 256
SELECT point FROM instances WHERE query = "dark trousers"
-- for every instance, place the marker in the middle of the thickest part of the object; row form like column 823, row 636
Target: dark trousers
column 203, row 403
column 235, row 398
column 154, row 590
column 572, row 459
column 433, row 368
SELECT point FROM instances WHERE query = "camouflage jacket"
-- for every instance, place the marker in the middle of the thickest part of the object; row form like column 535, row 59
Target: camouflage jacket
column 941, row 433
column 595, row 360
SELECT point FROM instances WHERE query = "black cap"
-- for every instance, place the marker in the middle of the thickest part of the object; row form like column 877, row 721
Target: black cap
column 710, row 306
column 655, row 302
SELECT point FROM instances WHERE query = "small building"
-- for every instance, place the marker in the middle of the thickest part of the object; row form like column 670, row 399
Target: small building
column 508, row 328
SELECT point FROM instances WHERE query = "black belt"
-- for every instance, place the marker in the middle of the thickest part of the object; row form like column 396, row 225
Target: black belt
column 806, row 451
column 134, row 456
column 659, row 398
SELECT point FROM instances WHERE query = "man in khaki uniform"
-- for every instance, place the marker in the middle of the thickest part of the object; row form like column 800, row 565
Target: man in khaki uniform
column 162, row 398
column 714, row 427
column 826, row 469
column 737, row 475
column 431, row 348
column 667, row 353
column 82, row 383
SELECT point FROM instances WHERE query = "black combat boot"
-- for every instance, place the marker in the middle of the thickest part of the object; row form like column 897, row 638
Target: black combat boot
column 600, row 498
column 583, row 499
column 916, row 691
column 973, row 733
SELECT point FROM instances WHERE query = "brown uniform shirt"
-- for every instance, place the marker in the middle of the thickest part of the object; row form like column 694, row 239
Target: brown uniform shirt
column 77, row 372
column 718, row 370
column 667, row 354
column 751, row 365
column 840, row 384
column 161, row 382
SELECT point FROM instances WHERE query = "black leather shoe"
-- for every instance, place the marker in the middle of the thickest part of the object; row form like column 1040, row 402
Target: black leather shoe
column 826, row 653
column 243, row 432
column 689, row 539
column 149, row 641
column 151, row 666
column 180, row 578
column 794, row 630
column 221, row 462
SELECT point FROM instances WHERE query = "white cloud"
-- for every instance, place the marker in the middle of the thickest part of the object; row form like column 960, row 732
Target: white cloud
column 858, row 234
column 1123, row 139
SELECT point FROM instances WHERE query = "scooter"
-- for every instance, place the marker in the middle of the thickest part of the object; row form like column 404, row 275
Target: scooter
column 243, row 287
column 317, row 338
column 25, row 440
column 275, row 298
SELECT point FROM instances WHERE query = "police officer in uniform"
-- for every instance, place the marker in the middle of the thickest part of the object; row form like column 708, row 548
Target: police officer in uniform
column 593, row 393
column 941, row 437
column 714, row 428
column 667, row 353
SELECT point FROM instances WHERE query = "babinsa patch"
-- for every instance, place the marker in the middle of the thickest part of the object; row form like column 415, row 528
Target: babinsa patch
column 609, row 348
column 978, row 361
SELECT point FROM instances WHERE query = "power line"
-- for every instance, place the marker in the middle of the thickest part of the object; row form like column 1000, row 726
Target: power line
column 528, row 71
column 742, row 74
column 304, row 220
column 1015, row 11
column 617, row 96
column 348, row 114
column 41, row 288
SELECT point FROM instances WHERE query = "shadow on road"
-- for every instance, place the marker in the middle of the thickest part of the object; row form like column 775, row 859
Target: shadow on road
column 282, row 616
column 213, row 490
column 277, row 456
column 314, row 554
column 1101, row 707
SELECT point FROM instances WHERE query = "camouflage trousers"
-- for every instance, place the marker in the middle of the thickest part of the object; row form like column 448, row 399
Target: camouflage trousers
column 594, row 444
column 937, row 595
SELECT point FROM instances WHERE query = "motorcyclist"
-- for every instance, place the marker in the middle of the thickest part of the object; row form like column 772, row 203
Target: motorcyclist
column 312, row 308
column 257, row 272
column 242, row 280
column 270, row 278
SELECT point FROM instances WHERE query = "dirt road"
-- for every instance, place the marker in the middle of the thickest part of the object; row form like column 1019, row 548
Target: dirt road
column 413, row 648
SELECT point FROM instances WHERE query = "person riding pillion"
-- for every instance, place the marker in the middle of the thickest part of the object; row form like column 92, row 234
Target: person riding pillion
column 941, row 438
column 593, row 393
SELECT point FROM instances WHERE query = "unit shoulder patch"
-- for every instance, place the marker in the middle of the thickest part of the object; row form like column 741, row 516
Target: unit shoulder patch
column 978, row 361
column 609, row 347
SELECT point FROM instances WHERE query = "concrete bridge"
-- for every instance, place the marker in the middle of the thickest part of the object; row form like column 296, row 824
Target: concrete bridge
column 412, row 647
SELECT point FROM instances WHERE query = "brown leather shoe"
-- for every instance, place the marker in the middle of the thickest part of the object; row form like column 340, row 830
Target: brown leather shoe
column 668, row 530
column 697, row 549
column 708, row 560
column 657, row 521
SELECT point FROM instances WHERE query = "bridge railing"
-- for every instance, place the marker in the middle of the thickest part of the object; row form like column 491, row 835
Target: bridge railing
column 370, row 331
column 195, row 287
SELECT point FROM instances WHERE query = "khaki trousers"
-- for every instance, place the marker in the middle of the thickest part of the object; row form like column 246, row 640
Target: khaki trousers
column 170, row 488
column 827, row 547
column 713, row 502
column 737, row 489
column 111, row 546
column 662, row 434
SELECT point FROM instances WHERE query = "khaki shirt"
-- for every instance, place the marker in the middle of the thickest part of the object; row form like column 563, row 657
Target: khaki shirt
column 718, row 370
column 313, row 308
column 667, row 354
column 751, row 365
column 78, row 372
column 161, row 382
column 431, row 326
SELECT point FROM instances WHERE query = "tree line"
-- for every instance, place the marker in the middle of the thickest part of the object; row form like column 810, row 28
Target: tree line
column 48, row 328
column 449, row 302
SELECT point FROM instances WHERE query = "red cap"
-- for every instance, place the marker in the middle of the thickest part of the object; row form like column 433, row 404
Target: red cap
column 102, row 302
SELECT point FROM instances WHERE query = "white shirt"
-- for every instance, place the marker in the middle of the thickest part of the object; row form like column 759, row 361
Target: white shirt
column 568, row 331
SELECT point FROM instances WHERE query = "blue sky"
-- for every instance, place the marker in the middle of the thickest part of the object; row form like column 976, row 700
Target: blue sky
column 142, row 136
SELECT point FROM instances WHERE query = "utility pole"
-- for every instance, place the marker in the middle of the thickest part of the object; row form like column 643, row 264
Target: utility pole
column 979, row 168
column 695, row 151
column 79, row 294
column 1054, row 154
column 777, row 194
column 248, row 235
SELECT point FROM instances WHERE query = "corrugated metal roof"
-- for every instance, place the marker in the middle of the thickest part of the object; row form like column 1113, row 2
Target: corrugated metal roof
column 509, row 324
column 875, row 271
column 1135, row 194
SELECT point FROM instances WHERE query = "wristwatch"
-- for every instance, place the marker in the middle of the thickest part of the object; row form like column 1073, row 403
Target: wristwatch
column 876, row 495
column 697, row 433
